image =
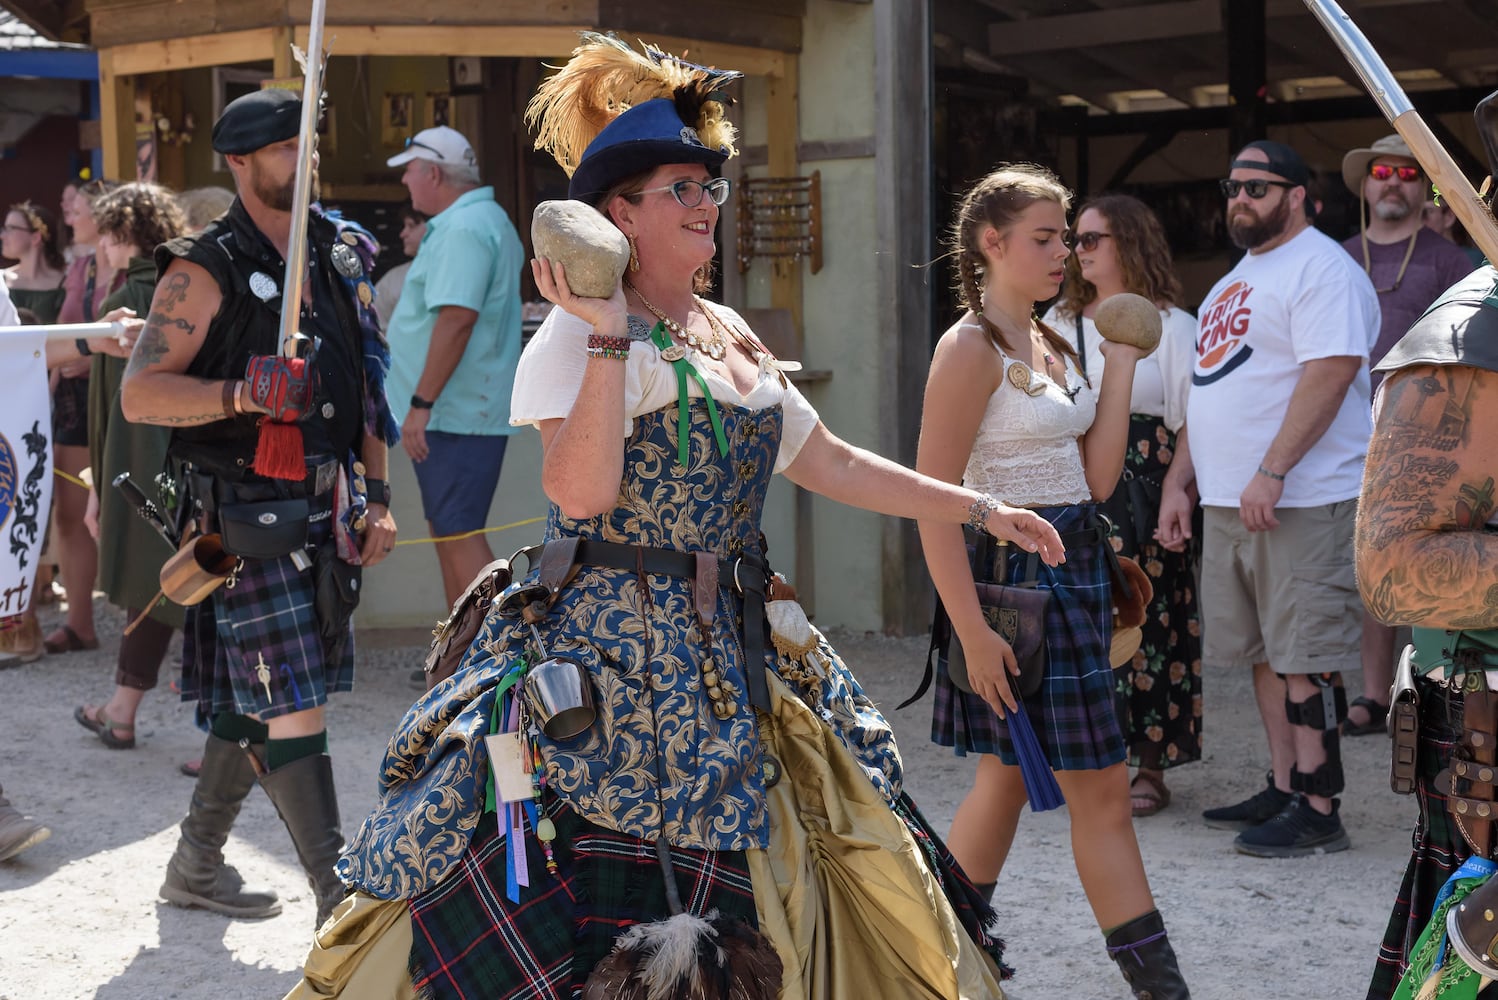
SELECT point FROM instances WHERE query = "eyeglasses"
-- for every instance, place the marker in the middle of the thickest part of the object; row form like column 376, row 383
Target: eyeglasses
column 17, row 229
column 688, row 194
column 411, row 141
column 1256, row 188
column 1088, row 241
column 1383, row 171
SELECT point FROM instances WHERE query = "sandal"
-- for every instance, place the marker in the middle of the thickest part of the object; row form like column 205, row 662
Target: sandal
column 191, row 767
column 70, row 642
column 1377, row 714
column 100, row 724
column 1153, row 798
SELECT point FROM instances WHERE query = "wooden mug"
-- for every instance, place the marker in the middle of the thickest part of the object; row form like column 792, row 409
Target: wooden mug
column 200, row 566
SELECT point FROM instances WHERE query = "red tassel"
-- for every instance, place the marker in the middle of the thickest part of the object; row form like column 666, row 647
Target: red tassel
column 278, row 453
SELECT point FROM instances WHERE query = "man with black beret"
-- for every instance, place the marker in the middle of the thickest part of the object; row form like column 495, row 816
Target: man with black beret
column 262, row 652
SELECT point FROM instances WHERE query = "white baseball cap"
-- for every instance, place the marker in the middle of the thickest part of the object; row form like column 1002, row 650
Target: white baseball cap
column 440, row 145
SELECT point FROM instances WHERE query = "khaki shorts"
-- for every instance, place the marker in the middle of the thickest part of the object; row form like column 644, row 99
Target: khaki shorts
column 1288, row 596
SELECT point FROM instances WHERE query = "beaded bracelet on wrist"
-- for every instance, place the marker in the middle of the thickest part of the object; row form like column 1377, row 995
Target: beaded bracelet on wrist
column 614, row 353
column 978, row 512
column 616, row 348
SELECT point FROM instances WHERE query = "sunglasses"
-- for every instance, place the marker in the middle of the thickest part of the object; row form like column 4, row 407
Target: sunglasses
column 1088, row 241
column 1256, row 188
column 688, row 194
column 410, row 141
column 1383, row 171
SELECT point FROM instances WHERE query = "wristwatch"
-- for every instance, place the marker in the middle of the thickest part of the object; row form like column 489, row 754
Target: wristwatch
column 417, row 403
column 377, row 491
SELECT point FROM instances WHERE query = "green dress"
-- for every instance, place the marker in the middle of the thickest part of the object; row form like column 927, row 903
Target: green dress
column 130, row 551
column 44, row 302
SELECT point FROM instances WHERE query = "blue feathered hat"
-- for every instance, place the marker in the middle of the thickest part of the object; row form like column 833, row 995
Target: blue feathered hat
column 612, row 112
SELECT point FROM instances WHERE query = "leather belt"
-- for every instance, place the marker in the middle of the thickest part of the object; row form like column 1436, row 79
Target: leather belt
column 1474, row 766
column 748, row 575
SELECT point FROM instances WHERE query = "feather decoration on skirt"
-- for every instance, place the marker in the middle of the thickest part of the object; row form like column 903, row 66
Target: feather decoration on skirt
column 687, row 957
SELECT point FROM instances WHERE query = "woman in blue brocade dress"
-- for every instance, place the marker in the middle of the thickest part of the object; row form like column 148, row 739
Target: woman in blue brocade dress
column 749, row 757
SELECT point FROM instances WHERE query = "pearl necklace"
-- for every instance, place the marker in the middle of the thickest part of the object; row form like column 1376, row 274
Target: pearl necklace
column 714, row 346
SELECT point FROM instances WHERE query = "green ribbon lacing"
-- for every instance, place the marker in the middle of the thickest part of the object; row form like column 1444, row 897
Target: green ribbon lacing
column 662, row 340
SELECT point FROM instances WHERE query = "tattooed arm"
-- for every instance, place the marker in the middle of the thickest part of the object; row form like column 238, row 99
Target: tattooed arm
column 1423, row 557
column 156, row 389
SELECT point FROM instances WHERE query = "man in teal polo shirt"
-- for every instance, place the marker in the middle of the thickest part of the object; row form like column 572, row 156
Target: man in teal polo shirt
column 454, row 344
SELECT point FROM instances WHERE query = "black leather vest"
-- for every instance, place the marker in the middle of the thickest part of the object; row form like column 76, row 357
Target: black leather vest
column 1460, row 328
column 249, row 272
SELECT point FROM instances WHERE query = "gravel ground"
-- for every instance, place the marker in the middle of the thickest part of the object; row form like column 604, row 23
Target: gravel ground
column 79, row 914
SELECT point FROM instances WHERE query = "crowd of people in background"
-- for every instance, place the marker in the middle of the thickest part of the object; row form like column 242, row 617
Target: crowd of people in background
column 1233, row 486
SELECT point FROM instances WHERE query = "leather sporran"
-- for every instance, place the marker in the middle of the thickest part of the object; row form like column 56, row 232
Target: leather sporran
column 264, row 529
column 1015, row 611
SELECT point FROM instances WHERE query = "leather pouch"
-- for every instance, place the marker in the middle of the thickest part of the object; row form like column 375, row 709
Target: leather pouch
column 1017, row 614
column 335, row 596
column 264, row 529
column 451, row 638
column 1404, row 724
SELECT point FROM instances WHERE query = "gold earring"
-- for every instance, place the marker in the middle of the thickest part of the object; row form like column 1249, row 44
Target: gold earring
column 634, row 254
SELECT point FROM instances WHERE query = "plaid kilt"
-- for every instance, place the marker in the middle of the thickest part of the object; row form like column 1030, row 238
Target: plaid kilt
column 269, row 612
column 1437, row 846
column 1074, row 712
column 469, row 940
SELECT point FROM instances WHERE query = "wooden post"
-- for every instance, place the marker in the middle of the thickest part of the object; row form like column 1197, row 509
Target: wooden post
column 283, row 65
column 902, row 189
column 784, row 133
column 116, row 120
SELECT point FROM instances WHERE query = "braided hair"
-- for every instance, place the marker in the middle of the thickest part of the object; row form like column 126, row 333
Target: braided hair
column 998, row 200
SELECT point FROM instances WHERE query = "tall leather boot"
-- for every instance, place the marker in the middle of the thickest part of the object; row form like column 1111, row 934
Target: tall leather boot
column 197, row 874
column 1146, row 959
column 306, row 802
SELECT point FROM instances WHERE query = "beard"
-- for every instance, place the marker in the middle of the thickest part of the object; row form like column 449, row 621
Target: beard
column 1248, row 230
column 1393, row 207
column 278, row 196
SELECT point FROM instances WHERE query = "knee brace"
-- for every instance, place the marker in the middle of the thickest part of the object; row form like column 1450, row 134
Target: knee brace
column 1325, row 711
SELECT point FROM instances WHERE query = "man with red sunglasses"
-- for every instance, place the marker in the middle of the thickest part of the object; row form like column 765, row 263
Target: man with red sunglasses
column 1409, row 265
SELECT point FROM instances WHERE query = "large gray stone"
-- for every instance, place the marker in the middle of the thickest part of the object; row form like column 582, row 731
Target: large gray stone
column 591, row 248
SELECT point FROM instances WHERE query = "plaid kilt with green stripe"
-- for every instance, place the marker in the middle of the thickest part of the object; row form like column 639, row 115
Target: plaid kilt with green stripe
column 1437, row 847
column 469, row 940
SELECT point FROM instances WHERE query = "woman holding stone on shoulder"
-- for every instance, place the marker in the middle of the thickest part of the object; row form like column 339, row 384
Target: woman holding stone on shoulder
column 726, row 783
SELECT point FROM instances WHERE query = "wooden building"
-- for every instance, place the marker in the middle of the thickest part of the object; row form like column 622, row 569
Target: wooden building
column 893, row 105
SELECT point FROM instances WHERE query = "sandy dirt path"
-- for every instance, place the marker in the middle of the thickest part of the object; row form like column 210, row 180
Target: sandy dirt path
column 80, row 918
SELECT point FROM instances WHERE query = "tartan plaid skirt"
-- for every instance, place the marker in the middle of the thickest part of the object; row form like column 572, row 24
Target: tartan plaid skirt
column 1437, row 846
column 470, row 940
column 268, row 614
column 1074, row 712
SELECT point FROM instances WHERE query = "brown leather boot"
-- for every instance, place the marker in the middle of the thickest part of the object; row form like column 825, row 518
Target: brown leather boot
column 303, row 794
column 1146, row 959
column 197, row 875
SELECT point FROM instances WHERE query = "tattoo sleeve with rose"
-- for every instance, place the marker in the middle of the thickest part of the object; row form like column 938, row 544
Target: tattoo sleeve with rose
column 1423, row 554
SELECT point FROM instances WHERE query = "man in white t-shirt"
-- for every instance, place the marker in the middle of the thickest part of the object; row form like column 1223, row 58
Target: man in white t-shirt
column 1280, row 421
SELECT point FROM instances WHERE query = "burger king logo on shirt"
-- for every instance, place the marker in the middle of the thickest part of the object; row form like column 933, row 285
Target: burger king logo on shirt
column 1221, row 341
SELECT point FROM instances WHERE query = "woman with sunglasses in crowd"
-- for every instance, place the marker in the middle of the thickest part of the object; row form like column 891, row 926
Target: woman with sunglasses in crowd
column 1121, row 247
column 1009, row 410
column 32, row 238
column 729, row 773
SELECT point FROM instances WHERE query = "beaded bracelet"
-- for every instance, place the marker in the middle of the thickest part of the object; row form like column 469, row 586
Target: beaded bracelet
column 615, row 348
column 982, row 507
column 1277, row 477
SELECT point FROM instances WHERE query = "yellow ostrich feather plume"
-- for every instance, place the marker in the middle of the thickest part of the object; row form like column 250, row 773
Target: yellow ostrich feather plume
column 605, row 77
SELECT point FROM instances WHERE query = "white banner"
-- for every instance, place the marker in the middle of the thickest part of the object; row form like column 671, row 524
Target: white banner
column 25, row 466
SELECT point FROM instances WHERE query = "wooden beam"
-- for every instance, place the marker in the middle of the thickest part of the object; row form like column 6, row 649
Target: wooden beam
column 41, row 16
column 189, row 53
column 116, row 119
column 1105, row 27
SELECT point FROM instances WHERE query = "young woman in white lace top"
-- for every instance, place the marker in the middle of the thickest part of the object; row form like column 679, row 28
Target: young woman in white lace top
column 1007, row 407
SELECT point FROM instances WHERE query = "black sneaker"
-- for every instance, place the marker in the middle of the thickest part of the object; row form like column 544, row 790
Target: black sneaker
column 1299, row 830
column 1250, row 812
